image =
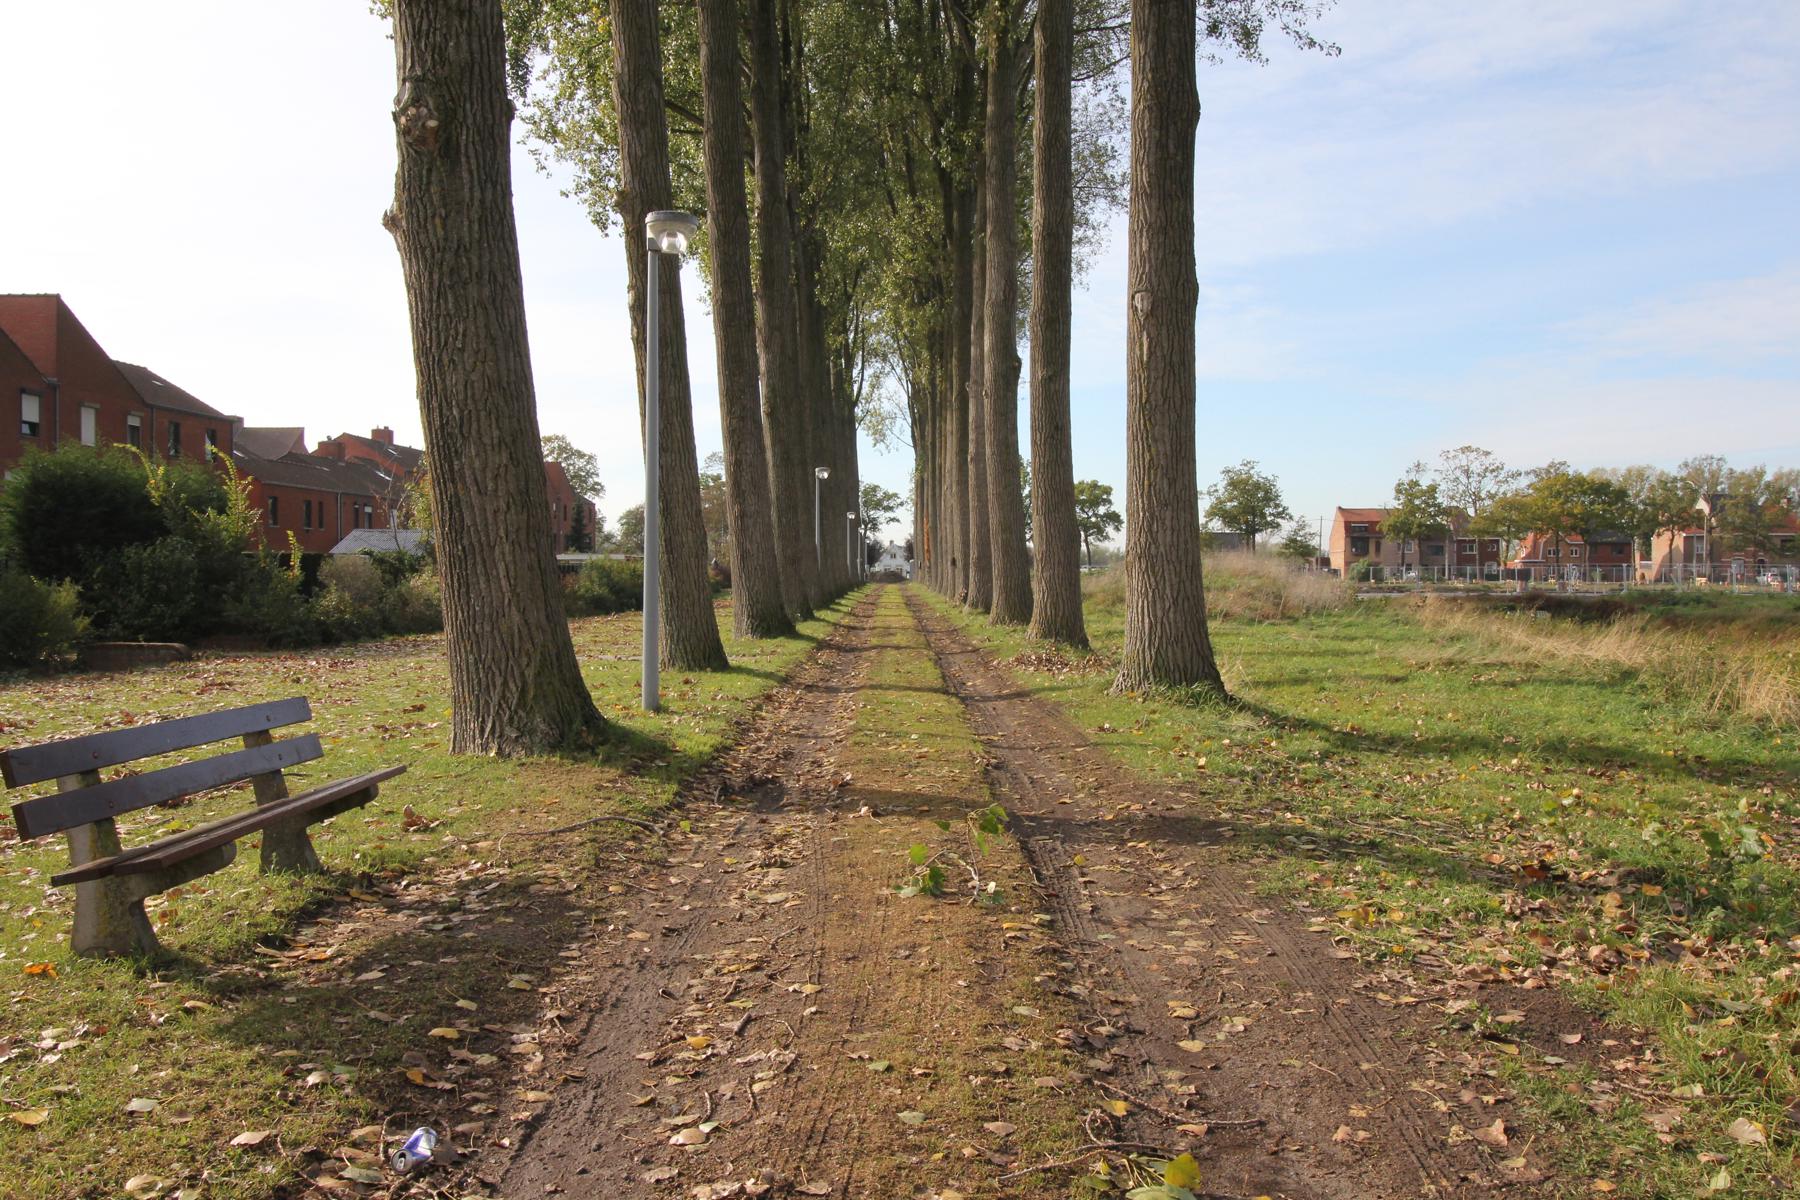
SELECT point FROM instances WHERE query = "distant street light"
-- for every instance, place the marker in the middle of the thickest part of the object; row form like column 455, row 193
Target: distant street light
column 667, row 232
column 850, row 544
column 820, row 475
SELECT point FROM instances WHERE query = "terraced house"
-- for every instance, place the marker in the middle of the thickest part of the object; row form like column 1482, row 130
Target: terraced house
column 1357, row 537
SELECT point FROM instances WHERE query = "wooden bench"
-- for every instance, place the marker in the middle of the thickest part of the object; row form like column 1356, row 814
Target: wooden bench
column 110, row 881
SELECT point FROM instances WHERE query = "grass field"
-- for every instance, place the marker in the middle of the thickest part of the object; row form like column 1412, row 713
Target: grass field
column 273, row 1015
column 1529, row 800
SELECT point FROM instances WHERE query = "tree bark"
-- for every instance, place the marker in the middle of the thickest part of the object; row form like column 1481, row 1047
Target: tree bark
column 1010, row 603
column 1055, row 539
column 980, row 573
column 690, row 627
column 758, row 608
column 956, row 425
column 1166, row 640
column 784, row 401
column 515, row 684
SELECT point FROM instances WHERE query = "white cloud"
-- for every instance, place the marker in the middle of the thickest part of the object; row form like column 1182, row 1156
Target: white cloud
column 1738, row 322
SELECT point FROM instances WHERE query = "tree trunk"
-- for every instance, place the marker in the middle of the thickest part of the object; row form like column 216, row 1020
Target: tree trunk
column 981, row 579
column 1055, row 537
column 758, row 608
column 962, row 293
column 690, row 628
column 515, row 684
column 1011, row 566
column 1166, row 642
column 784, row 402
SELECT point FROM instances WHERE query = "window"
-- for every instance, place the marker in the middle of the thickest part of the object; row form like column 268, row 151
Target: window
column 212, row 438
column 90, row 425
column 1574, row 551
column 1359, row 545
column 134, row 430
column 356, row 516
column 1552, row 552
column 1493, row 544
column 1465, row 546
column 306, row 514
column 174, row 439
column 1436, row 549
column 31, row 413
column 274, row 511
column 1359, row 527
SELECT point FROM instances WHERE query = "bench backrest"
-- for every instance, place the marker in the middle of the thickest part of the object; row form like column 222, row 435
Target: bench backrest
column 73, row 756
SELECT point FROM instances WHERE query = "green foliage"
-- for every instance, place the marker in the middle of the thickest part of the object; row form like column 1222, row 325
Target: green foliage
column 41, row 624
column 1095, row 515
column 582, row 468
column 607, row 585
column 1247, row 502
column 1418, row 513
column 982, row 826
column 1298, row 542
column 630, row 538
column 880, row 504
column 61, row 512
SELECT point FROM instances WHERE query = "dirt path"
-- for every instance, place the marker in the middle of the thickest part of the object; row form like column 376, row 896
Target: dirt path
column 766, row 1013
column 1212, row 1006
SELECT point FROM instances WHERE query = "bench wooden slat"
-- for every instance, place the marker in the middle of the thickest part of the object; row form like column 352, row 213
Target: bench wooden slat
column 34, row 764
column 193, row 842
column 65, row 810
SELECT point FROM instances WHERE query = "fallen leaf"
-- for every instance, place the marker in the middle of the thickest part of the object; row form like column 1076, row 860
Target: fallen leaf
column 1000, row 1128
column 700, row 1041
column 1493, row 1135
column 693, row 1135
column 30, row 1116
column 814, row 1189
column 912, row 1117
column 446, row 1032
column 1746, row 1132
column 1182, row 1171
column 138, row 1104
column 361, row 1174
column 1118, row 1108
column 251, row 1137
column 1192, row 1046
column 660, row 1174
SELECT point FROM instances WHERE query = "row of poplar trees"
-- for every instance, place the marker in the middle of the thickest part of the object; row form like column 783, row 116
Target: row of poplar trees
column 890, row 186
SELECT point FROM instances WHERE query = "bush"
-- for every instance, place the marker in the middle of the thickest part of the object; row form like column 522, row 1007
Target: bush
column 40, row 623
column 61, row 512
column 364, row 596
column 606, row 585
column 271, row 608
column 1240, row 586
column 150, row 592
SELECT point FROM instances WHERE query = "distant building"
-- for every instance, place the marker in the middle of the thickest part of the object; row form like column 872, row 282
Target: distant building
column 1605, row 555
column 305, row 500
column 411, row 541
column 61, row 386
column 1357, row 536
column 1701, row 552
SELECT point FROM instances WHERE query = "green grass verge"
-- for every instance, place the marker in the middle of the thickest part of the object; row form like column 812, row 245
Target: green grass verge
column 1467, row 800
column 289, row 1005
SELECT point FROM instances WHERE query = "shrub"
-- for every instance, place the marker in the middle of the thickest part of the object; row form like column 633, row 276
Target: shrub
column 606, row 585
column 270, row 607
column 362, row 597
column 40, row 623
column 61, row 512
column 149, row 592
column 1240, row 586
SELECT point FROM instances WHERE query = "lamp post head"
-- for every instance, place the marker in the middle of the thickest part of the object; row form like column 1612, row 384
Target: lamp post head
column 822, row 472
column 669, row 230
column 849, row 516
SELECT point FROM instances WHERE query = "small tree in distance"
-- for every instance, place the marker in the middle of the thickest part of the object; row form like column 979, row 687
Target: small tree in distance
column 1418, row 512
column 582, row 468
column 630, row 538
column 1095, row 515
column 1299, row 542
column 1247, row 502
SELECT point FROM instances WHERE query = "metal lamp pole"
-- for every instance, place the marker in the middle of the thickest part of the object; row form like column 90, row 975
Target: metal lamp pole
column 667, row 232
column 850, row 544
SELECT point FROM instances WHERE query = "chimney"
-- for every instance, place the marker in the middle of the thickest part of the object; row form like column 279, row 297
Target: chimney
column 383, row 434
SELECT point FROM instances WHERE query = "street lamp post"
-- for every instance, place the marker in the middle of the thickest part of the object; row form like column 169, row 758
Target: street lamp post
column 820, row 475
column 667, row 232
column 850, row 544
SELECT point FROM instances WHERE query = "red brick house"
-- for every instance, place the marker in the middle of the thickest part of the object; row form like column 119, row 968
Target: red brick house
column 569, row 513
column 318, row 501
column 1607, row 555
column 70, row 391
column 1357, row 536
column 78, row 393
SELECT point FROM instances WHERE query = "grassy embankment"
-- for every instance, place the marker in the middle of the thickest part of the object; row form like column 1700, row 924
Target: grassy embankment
column 1608, row 808
column 287, row 1004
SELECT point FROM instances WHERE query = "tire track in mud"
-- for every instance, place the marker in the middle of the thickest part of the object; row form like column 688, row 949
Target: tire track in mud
column 1334, row 1092
column 783, row 756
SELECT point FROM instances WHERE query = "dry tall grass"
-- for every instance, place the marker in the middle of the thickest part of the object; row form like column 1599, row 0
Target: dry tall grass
column 1724, row 671
column 1242, row 586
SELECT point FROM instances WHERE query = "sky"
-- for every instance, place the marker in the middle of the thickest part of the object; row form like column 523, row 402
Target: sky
column 1553, row 230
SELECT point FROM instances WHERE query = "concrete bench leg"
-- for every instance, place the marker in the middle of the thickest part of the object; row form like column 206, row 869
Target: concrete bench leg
column 109, row 913
column 287, row 847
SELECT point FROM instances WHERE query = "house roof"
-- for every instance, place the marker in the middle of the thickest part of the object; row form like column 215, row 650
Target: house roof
column 358, row 540
column 310, row 472
column 1362, row 514
column 271, row 441
column 160, row 393
column 407, row 457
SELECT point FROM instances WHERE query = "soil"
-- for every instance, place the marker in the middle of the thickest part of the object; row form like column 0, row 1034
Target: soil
column 764, row 1014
